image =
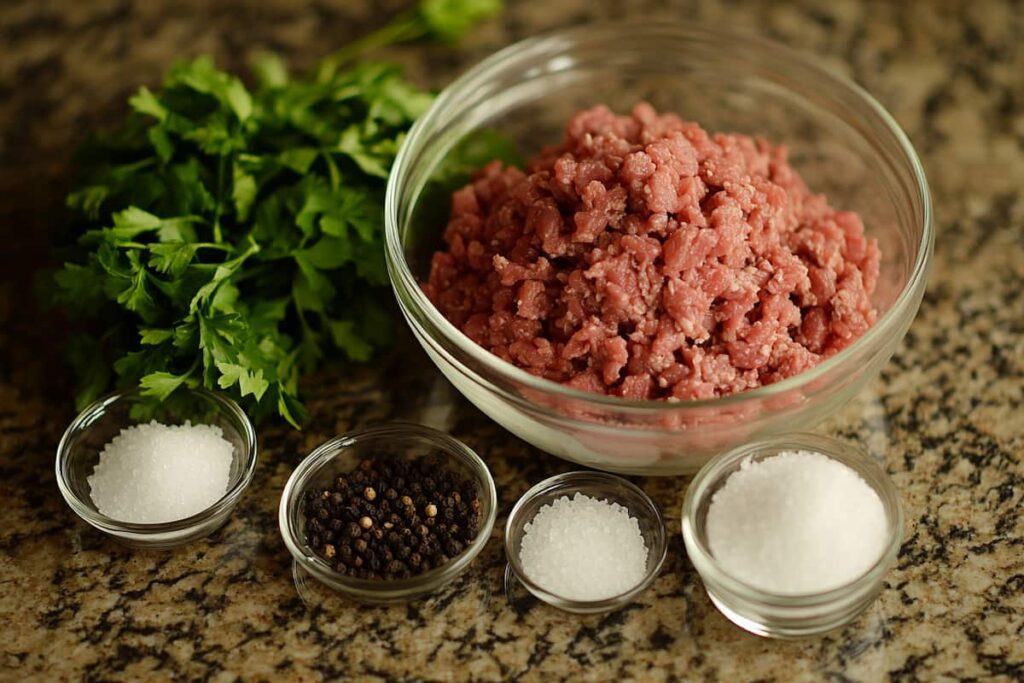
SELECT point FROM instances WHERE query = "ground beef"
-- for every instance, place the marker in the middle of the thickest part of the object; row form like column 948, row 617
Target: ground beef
column 647, row 258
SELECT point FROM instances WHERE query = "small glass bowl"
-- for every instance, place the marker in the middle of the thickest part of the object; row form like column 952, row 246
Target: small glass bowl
column 397, row 441
column 598, row 485
column 791, row 615
column 80, row 448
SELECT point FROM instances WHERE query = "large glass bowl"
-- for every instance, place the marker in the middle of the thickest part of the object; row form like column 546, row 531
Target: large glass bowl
column 840, row 139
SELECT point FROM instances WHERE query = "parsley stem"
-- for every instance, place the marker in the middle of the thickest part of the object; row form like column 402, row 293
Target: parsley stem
column 218, row 236
column 402, row 28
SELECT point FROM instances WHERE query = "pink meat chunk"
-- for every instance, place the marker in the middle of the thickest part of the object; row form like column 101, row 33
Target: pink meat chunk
column 648, row 259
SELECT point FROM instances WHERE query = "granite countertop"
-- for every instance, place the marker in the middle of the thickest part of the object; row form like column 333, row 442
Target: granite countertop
column 947, row 414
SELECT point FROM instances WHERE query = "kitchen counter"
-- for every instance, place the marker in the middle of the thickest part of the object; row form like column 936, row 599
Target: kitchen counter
column 947, row 414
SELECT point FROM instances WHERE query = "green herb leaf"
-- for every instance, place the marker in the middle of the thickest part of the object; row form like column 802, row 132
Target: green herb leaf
column 153, row 337
column 243, row 192
column 250, row 383
column 345, row 337
column 172, row 258
column 145, row 102
column 270, row 70
column 450, row 19
column 160, row 385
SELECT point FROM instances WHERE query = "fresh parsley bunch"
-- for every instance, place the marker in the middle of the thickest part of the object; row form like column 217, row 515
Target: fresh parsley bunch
column 230, row 237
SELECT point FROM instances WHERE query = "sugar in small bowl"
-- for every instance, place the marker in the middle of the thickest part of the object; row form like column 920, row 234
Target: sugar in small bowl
column 157, row 475
column 792, row 537
column 585, row 542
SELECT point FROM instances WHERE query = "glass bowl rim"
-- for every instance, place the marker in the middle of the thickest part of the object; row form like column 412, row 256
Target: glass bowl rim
column 567, row 483
column 471, row 79
column 230, row 498
column 386, row 589
column 848, row 454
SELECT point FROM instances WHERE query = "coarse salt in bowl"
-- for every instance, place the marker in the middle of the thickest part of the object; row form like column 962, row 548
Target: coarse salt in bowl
column 785, row 607
column 95, row 429
column 840, row 139
column 596, row 486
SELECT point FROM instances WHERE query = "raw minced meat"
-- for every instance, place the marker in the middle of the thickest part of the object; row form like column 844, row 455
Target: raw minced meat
column 647, row 258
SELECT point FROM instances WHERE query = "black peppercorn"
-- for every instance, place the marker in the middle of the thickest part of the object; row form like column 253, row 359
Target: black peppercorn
column 389, row 520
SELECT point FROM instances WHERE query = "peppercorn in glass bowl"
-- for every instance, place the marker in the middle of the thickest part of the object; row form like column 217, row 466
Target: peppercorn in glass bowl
column 788, row 615
column 839, row 138
column 600, row 486
column 336, row 526
column 79, row 453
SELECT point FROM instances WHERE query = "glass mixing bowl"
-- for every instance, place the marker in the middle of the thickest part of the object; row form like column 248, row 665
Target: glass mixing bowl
column 840, row 139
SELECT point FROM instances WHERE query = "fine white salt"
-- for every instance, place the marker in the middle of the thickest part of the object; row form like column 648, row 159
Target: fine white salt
column 583, row 549
column 796, row 522
column 153, row 472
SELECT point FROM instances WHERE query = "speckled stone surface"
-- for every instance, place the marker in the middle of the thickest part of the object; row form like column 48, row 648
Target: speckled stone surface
column 947, row 415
